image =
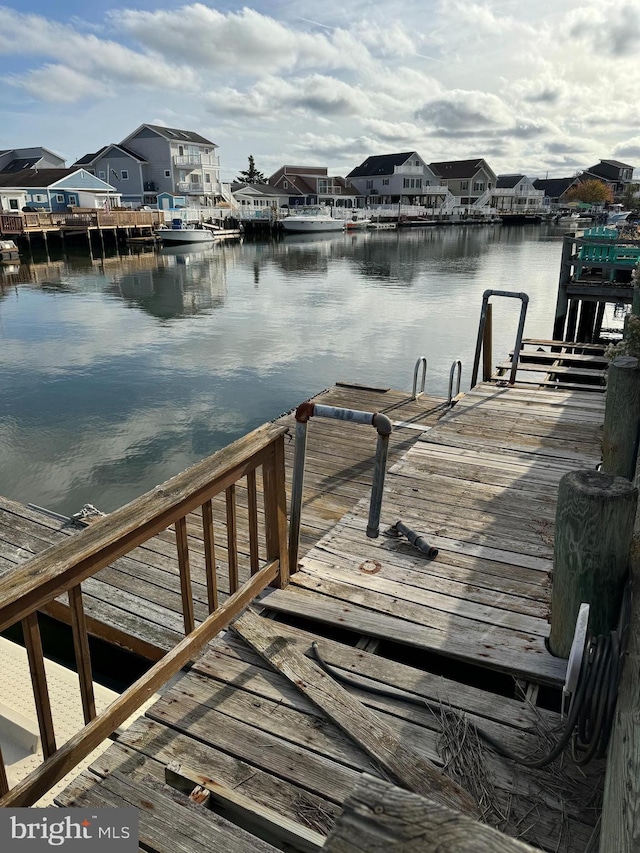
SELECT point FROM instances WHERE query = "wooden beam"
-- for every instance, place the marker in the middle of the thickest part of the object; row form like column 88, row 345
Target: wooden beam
column 380, row 818
column 182, row 545
column 373, row 736
column 82, row 652
column 33, row 643
column 256, row 818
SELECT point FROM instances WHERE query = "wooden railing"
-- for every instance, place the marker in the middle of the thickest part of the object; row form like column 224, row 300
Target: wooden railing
column 61, row 569
column 23, row 222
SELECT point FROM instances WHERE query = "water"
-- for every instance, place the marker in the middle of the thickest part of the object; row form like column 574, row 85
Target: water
column 118, row 373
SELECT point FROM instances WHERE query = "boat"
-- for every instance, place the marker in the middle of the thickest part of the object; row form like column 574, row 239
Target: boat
column 181, row 233
column 569, row 219
column 353, row 224
column 311, row 220
column 617, row 217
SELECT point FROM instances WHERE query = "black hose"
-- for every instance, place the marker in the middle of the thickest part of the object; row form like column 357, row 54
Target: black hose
column 590, row 719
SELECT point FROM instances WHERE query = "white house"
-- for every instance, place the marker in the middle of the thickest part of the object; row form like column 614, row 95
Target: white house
column 393, row 178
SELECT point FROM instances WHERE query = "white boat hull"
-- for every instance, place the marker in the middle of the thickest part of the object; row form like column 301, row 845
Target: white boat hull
column 311, row 224
column 186, row 235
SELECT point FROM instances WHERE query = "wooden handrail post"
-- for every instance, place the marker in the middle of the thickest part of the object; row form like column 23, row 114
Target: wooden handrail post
column 622, row 417
column 275, row 510
column 594, row 527
column 252, row 497
column 82, row 653
column 33, row 642
column 210, row 555
column 4, row 782
column 185, row 575
column 232, row 538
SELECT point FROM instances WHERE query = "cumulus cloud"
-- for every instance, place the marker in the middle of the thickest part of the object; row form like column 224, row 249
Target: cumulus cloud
column 612, row 28
column 630, row 148
column 464, row 111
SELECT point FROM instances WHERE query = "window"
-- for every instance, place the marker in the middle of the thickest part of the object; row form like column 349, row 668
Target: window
column 464, row 185
column 285, row 184
column 405, row 183
column 478, row 186
column 418, row 183
column 167, row 173
column 194, row 179
column 125, row 174
column 102, row 176
column 72, row 201
column 13, row 203
column 369, row 185
column 417, row 162
column 207, row 178
column 59, row 198
column 39, row 198
column 385, row 182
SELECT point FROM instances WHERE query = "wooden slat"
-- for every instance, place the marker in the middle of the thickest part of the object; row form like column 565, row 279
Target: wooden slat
column 185, row 575
column 33, row 643
column 232, row 537
column 275, row 510
column 82, row 743
column 253, row 522
column 377, row 739
column 210, row 555
column 82, row 652
column 4, row 783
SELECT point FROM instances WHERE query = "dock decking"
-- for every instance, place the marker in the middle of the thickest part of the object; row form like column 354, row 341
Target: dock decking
column 479, row 481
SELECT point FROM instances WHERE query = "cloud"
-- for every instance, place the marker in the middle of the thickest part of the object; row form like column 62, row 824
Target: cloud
column 464, row 111
column 58, row 84
column 612, row 28
column 630, row 148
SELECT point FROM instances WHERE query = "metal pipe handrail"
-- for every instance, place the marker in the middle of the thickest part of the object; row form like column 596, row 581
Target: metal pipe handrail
column 509, row 294
column 457, row 365
column 421, row 361
column 383, row 427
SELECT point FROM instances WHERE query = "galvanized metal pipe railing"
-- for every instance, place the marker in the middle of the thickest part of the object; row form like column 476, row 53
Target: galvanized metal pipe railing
column 523, row 297
column 415, row 393
column 457, row 365
column 384, row 428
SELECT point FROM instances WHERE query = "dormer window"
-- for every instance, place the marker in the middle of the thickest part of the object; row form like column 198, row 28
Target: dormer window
column 285, row 184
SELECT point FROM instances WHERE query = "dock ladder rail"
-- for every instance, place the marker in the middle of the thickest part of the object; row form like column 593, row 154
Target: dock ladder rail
column 485, row 335
column 454, row 374
column 415, row 393
column 384, row 428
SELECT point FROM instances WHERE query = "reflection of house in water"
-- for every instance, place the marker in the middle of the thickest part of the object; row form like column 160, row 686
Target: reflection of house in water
column 183, row 281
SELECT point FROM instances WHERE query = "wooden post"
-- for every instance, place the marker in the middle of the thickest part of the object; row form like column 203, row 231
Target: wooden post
column 622, row 417
column 597, row 331
column 562, row 300
column 572, row 320
column 587, row 322
column 594, row 527
column 620, row 828
column 487, row 345
column 275, row 511
column 381, row 818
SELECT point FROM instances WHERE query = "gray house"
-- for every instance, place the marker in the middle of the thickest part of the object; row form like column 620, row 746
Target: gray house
column 17, row 159
column 391, row 178
column 469, row 180
column 179, row 166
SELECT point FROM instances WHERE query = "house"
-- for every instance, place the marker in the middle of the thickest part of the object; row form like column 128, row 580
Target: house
column 516, row 193
column 617, row 175
column 394, row 178
column 57, row 190
column 470, row 181
column 161, row 166
column 313, row 185
column 555, row 189
column 17, row 159
column 258, row 200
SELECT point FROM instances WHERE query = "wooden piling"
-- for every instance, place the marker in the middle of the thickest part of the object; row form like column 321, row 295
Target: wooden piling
column 562, row 300
column 622, row 417
column 594, row 527
column 487, row 345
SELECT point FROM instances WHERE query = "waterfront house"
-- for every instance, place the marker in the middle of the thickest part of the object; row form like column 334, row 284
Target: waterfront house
column 469, row 181
column 395, row 178
column 36, row 157
column 57, row 190
column 161, row 166
column 555, row 190
column 517, row 194
column 617, row 175
column 314, row 185
column 258, row 201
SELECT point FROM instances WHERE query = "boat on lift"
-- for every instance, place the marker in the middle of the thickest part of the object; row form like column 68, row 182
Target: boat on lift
column 181, row 232
column 311, row 220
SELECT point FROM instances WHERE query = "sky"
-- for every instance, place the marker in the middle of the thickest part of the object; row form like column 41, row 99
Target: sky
column 540, row 87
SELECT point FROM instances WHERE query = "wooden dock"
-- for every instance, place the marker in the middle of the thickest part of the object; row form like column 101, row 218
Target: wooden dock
column 464, row 631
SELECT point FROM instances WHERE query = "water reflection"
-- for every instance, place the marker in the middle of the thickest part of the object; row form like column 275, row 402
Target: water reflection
column 117, row 372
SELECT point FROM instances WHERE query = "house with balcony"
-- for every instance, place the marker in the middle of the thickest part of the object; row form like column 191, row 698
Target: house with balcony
column 398, row 178
column 617, row 175
column 308, row 185
column 471, row 182
column 517, row 194
column 36, row 157
column 162, row 166
column 56, row 190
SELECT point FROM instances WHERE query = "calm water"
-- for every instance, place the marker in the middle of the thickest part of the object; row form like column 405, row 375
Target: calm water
column 117, row 373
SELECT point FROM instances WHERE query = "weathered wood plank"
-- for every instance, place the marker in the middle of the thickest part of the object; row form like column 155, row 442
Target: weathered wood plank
column 377, row 740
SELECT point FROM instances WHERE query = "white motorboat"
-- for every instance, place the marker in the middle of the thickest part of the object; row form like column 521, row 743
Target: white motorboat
column 181, row 233
column 311, row 220
column 617, row 217
column 353, row 224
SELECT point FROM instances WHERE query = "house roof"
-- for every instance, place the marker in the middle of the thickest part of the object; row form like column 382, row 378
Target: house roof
column 508, row 182
column 554, row 187
column 617, row 164
column 380, row 164
column 29, row 178
column 260, row 189
column 176, row 135
column 20, row 163
column 458, row 168
column 91, row 158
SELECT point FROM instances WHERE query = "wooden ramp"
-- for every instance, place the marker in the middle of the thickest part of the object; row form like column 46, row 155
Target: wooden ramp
column 481, row 487
column 136, row 602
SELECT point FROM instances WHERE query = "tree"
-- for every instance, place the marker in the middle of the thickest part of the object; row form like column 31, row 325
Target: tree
column 592, row 191
column 251, row 175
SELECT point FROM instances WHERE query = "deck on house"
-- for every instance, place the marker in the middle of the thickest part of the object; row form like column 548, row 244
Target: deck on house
column 481, row 486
